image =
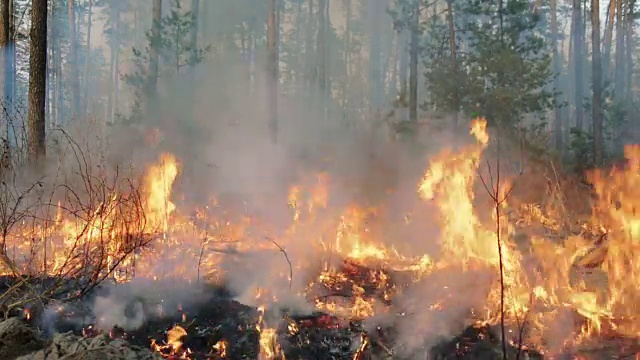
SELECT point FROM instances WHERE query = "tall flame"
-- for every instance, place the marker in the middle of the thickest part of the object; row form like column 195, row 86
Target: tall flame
column 159, row 182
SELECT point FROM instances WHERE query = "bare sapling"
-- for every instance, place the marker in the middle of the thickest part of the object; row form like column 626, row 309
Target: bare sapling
column 498, row 196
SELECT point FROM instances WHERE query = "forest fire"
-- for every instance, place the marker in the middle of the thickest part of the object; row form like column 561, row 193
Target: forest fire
column 367, row 277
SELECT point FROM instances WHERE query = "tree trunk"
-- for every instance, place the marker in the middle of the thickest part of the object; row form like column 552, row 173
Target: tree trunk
column 597, row 83
column 326, row 58
column 52, row 72
column 608, row 37
column 272, row 70
column 394, row 61
column 204, row 28
column 578, row 45
column 630, row 41
column 195, row 7
column 320, row 47
column 347, row 59
column 10, row 81
column 556, row 81
column 59, row 89
column 454, row 64
column 116, row 63
column 6, row 52
column 413, row 66
column 619, row 68
column 251, row 55
column 112, row 64
column 309, row 49
column 88, row 57
column 403, row 71
column 153, row 52
column 404, row 67
column 73, row 63
column 375, row 67
column 37, row 79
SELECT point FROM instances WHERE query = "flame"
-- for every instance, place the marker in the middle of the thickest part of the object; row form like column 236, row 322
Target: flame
column 269, row 347
column 616, row 211
column 174, row 346
column 449, row 181
column 221, row 349
column 596, row 280
column 159, row 181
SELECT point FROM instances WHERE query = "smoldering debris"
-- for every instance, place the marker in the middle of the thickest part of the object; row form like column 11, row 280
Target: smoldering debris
column 219, row 327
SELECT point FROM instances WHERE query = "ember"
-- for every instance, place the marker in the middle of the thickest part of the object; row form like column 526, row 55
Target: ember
column 173, row 348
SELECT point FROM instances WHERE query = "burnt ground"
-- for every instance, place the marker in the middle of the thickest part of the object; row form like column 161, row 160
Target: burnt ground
column 315, row 336
column 311, row 336
column 218, row 317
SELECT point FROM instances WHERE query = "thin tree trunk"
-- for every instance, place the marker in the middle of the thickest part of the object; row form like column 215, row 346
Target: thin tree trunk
column 597, row 83
column 195, row 7
column 11, row 80
column 578, row 62
column 8, row 41
column 630, row 45
column 154, row 56
column 272, row 70
column 556, row 81
column 454, row 64
column 413, row 66
column 347, row 60
column 393, row 90
column 4, row 43
column 404, row 66
column 87, row 58
column 251, row 53
column 309, row 50
column 608, row 37
column 403, row 72
column 52, row 72
column 112, row 65
column 116, row 64
column 375, row 66
column 320, row 46
column 297, row 66
column 326, row 58
column 73, row 63
column 6, row 52
column 619, row 68
column 37, row 80
column 9, row 53
column 59, row 90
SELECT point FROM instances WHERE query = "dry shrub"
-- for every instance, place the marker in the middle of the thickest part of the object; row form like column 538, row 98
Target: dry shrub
column 69, row 226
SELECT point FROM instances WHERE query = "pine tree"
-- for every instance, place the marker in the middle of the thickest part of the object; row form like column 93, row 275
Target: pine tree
column 174, row 43
column 507, row 65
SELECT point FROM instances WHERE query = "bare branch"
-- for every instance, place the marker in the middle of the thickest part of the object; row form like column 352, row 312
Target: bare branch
column 286, row 256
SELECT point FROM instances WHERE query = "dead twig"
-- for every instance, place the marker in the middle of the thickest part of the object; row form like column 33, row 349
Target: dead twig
column 286, row 256
column 202, row 246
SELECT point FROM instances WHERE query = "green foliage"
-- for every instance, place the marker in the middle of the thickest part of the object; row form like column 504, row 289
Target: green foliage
column 615, row 120
column 505, row 69
column 174, row 44
column 581, row 148
column 112, row 11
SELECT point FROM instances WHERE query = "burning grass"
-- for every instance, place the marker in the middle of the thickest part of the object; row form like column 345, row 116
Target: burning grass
column 340, row 264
